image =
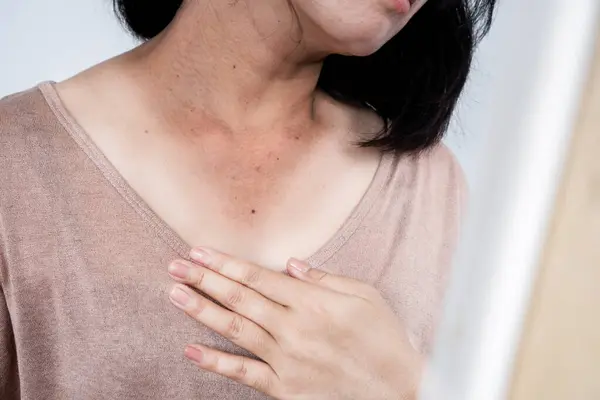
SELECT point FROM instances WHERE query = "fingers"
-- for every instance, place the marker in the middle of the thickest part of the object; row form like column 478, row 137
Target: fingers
column 271, row 284
column 303, row 271
column 230, row 325
column 246, row 371
column 233, row 295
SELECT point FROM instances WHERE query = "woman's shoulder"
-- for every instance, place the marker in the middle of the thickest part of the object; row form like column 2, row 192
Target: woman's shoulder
column 443, row 163
column 32, row 140
column 435, row 175
column 23, row 115
column 27, row 124
column 447, row 171
column 16, row 106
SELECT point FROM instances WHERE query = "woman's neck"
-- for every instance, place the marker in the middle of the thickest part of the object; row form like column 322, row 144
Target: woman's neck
column 243, row 65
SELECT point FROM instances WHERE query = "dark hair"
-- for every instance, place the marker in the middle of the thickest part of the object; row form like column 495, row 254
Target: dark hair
column 413, row 82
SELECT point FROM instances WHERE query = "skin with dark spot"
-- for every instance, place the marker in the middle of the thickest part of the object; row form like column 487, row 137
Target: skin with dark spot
column 219, row 128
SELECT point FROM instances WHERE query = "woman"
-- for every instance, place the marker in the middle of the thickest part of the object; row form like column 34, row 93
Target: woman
column 194, row 166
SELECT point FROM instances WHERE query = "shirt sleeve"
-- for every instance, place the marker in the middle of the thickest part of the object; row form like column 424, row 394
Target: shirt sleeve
column 452, row 196
column 9, row 379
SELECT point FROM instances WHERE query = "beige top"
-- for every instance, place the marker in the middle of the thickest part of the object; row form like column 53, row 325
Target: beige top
column 84, row 309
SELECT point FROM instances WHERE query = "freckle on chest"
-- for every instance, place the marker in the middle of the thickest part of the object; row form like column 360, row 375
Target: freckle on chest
column 250, row 172
column 253, row 185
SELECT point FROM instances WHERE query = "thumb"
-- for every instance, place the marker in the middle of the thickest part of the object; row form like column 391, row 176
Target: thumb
column 303, row 271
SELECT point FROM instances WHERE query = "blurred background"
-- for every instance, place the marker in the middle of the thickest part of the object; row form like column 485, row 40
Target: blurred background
column 516, row 135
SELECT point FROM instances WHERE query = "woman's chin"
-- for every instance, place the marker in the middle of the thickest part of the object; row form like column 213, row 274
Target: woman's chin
column 361, row 44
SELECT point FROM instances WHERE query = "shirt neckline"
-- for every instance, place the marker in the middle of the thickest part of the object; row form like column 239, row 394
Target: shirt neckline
column 164, row 230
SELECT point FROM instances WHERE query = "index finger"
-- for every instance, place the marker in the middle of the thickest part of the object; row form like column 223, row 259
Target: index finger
column 276, row 286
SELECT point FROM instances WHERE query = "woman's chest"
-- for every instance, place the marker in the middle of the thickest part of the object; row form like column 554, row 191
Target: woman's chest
column 92, row 324
column 93, row 300
column 263, row 203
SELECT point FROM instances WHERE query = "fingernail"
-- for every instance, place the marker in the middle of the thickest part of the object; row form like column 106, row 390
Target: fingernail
column 201, row 256
column 179, row 270
column 193, row 354
column 298, row 265
column 179, row 296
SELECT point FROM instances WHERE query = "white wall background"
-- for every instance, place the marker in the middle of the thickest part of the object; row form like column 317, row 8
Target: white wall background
column 510, row 135
column 53, row 39
column 518, row 117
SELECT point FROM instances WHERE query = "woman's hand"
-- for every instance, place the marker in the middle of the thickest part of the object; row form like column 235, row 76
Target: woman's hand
column 319, row 336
